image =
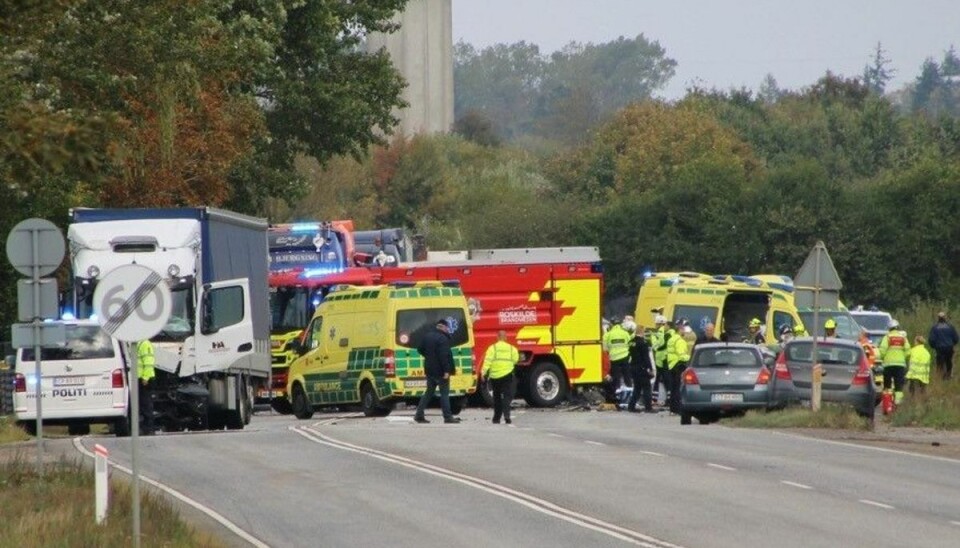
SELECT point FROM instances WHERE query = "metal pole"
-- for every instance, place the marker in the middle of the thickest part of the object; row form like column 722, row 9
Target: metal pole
column 37, row 333
column 815, row 393
column 135, row 440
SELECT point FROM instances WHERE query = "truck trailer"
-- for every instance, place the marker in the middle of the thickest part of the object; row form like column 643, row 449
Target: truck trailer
column 214, row 352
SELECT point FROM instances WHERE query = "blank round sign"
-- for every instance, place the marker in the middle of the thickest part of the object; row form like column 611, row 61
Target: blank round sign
column 132, row 303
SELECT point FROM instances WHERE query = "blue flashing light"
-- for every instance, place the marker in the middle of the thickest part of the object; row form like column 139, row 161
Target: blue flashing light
column 93, row 317
column 305, row 227
column 321, row 271
column 648, row 274
column 67, row 315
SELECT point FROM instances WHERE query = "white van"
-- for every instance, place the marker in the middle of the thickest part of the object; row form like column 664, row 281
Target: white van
column 82, row 383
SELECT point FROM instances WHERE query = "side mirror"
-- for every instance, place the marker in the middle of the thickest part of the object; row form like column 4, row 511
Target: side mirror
column 206, row 322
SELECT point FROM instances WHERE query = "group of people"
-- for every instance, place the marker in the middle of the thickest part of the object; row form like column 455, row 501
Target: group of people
column 903, row 364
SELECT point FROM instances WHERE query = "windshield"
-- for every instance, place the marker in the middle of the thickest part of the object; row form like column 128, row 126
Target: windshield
column 413, row 324
column 873, row 322
column 182, row 315
column 292, row 307
column 727, row 357
column 306, row 250
column 847, row 328
column 84, row 342
column 802, row 351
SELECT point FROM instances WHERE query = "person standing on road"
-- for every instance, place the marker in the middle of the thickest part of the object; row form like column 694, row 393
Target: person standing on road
column 678, row 355
column 616, row 343
column 642, row 372
column 498, row 364
column 659, row 342
column 943, row 338
column 438, row 366
column 893, row 353
column 146, row 372
column 918, row 367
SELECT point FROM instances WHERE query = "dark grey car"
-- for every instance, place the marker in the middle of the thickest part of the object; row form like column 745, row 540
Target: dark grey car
column 730, row 378
column 847, row 377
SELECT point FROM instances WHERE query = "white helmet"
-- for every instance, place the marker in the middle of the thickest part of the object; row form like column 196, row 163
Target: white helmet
column 660, row 319
column 629, row 324
column 893, row 324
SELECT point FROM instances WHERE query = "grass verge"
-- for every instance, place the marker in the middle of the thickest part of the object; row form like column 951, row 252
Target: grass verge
column 10, row 432
column 58, row 511
column 830, row 416
column 938, row 407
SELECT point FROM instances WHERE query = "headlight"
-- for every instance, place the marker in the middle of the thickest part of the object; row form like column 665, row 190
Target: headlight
column 173, row 270
column 93, row 271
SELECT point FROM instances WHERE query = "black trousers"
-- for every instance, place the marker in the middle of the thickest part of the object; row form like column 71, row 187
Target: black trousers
column 945, row 362
column 676, row 379
column 146, row 408
column 895, row 375
column 503, row 391
column 620, row 373
column 641, row 389
column 663, row 379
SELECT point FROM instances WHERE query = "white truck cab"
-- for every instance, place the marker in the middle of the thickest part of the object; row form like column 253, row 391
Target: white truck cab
column 83, row 382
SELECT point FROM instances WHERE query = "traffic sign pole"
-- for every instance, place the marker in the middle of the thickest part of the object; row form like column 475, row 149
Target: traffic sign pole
column 37, row 326
column 135, row 438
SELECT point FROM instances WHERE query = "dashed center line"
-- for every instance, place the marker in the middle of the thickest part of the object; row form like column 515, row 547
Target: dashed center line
column 593, row 442
column 795, row 484
column 552, row 435
column 955, row 522
column 877, row 504
column 652, row 453
column 721, row 467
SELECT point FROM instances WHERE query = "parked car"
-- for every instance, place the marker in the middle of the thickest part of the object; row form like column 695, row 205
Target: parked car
column 847, row 377
column 875, row 322
column 730, row 378
column 847, row 327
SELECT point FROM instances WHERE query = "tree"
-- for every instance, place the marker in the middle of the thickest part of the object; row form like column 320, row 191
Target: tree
column 769, row 90
column 926, row 86
column 474, row 126
column 878, row 74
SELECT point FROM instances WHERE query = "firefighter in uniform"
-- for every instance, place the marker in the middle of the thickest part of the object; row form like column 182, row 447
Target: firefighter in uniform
column 498, row 364
column 756, row 334
column 146, row 362
column 616, row 342
column 893, row 351
column 830, row 328
column 678, row 354
column 918, row 367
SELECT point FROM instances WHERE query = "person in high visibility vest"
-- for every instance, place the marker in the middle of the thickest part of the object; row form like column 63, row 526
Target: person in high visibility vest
column 499, row 362
column 893, row 352
column 146, row 372
column 756, row 333
column 658, row 341
column 830, row 328
column 616, row 343
column 678, row 354
column 918, row 366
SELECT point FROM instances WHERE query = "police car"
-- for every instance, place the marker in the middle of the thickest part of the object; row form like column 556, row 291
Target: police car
column 82, row 382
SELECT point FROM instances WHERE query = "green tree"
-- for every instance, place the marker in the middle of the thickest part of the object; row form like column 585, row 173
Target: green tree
column 877, row 74
column 926, row 87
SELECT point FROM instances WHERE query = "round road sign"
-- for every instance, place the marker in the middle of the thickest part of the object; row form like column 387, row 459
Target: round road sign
column 35, row 243
column 132, row 303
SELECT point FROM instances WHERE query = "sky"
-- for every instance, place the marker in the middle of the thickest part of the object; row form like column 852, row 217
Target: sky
column 731, row 43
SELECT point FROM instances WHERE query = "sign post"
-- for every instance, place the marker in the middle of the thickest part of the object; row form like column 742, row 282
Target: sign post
column 133, row 303
column 36, row 248
column 101, row 492
column 818, row 274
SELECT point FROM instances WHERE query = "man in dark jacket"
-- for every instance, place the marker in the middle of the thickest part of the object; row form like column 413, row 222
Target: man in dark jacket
column 438, row 366
column 943, row 337
column 641, row 369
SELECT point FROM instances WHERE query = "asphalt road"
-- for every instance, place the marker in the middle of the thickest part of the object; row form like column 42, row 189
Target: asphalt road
column 553, row 479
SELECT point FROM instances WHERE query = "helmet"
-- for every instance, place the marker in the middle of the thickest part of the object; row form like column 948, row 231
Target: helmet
column 799, row 329
column 660, row 319
column 755, row 322
column 893, row 324
column 784, row 329
column 629, row 324
column 683, row 322
column 830, row 324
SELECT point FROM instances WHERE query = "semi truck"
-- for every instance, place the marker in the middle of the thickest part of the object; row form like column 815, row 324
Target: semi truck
column 213, row 354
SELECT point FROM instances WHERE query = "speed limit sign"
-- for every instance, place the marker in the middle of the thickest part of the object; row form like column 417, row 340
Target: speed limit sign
column 132, row 303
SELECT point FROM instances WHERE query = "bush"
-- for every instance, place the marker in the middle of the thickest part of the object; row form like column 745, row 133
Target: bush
column 830, row 416
column 938, row 407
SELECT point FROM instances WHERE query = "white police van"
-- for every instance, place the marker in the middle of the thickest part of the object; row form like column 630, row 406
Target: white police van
column 82, row 382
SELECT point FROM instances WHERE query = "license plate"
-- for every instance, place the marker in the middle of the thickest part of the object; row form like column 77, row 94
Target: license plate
column 68, row 381
column 727, row 397
column 415, row 383
column 270, row 394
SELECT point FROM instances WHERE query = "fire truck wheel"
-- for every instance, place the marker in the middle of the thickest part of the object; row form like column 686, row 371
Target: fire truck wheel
column 547, row 385
column 301, row 407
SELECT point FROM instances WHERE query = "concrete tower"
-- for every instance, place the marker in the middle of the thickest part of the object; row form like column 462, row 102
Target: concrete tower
column 422, row 51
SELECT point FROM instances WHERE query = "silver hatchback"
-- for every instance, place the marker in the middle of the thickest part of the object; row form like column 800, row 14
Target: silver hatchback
column 731, row 378
column 847, row 377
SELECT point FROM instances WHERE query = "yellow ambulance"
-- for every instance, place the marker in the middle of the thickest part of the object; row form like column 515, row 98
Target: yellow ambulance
column 361, row 347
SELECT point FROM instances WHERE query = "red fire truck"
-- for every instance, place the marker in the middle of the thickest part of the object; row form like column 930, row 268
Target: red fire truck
column 549, row 302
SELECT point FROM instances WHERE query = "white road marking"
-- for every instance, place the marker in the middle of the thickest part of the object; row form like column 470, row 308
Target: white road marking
column 653, row 453
column 399, row 419
column 552, row 435
column 216, row 516
column 794, row 484
column 534, row 503
column 721, row 467
column 593, row 442
column 877, row 504
column 955, row 522
column 868, row 447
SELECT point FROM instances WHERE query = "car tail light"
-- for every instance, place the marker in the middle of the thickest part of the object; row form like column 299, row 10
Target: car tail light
column 764, row 376
column 863, row 375
column 19, row 383
column 116, row 378
column 389, row 365
column 781, row 370
column 279, row 379
column 690, row 377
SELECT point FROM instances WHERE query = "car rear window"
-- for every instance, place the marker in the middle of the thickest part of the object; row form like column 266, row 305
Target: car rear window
column 414, row 323
column 828, row 353
column 84, row 342
column 727, row 357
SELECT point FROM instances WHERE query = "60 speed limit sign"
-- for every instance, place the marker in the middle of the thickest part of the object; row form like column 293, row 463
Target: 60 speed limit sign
column 132, row 303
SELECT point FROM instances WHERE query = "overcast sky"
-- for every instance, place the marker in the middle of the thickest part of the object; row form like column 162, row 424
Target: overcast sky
column 731, row 43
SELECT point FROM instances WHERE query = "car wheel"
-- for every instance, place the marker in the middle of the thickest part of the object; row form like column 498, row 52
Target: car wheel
column 78, row 429
column 686, row 418
column 547, row 385
column 301, row 407
column 281, row 405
